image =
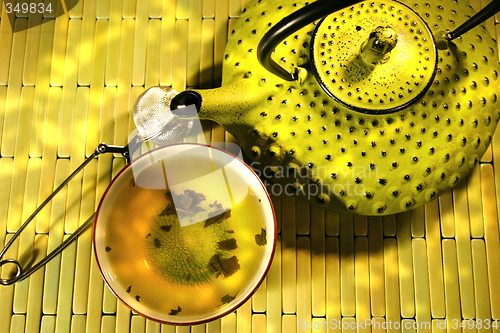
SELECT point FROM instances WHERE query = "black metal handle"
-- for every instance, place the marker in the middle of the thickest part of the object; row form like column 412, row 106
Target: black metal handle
column 288, row 25
column 491, row 9
column 21, row 274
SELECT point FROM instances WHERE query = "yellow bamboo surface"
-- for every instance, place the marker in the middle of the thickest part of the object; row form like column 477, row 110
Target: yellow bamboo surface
column 70, row 83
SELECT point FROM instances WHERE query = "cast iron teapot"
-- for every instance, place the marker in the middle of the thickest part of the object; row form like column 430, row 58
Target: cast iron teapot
column 377, row 108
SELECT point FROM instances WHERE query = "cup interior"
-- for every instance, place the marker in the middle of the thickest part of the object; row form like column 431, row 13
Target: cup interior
column 185, row 234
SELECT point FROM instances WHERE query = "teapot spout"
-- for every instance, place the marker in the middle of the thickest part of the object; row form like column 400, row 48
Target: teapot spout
column 224, row 105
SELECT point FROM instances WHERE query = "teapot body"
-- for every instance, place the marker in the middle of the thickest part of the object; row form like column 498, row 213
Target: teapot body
column 320, row 149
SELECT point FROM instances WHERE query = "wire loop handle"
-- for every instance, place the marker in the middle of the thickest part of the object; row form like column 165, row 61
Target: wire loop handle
column 21, row 274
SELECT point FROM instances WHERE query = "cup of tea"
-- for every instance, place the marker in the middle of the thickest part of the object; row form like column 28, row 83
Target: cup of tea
column 185, row 234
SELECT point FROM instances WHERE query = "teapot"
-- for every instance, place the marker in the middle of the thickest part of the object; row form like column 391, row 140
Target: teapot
column 372, row 107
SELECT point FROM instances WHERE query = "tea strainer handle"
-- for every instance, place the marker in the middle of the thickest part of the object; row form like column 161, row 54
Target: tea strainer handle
column 20, row 272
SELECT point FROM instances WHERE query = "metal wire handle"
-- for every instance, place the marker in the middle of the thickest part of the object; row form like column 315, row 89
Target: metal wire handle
column 21, row 274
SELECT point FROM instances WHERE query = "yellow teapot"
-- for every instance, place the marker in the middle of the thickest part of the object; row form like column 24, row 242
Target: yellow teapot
column 371, row 107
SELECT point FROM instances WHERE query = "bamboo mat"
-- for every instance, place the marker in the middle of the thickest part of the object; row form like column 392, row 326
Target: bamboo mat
column 70, row 83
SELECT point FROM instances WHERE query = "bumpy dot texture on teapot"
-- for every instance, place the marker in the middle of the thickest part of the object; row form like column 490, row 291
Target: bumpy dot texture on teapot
column 393, row 162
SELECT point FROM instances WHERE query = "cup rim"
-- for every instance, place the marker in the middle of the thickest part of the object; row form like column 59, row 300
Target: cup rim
column 230, row 309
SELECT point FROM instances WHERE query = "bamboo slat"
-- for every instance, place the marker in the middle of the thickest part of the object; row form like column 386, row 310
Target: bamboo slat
column 406, row 285
column 362, row 285
column 318, row 271
column 332, row 223
column 475, row 203
column 42, row 87
column 78, row 324
column 333, row 303
column 360, row 225
column 391, row 282
column 7, row 293
column 6, row 42
column 347, row 269
column 434, row 260
column 258, row 323
column 34, row 307
column 274, row 291
column 3, row 93
column 289, row 323
column 140, row 45
column 259, row 298
column 85, row 64
column 421, row 283
column 113, row 42
column 48, row 324
column 153, row 54
column 244, row 318
column 389, row 225
column 451, row 286
column 65, row 289
column 446, row 215
column 303, row 217
column 491, row 237
column 288, row 262
column 17, row 323
column 5, row 179
column 462, row 238
column 194, row 44
column 59, row 49
column 27, row 238
column 102, row 9
column 304, row 306
column 179, row 59
column 32, row 49
column 55, row 238
column 13, row 95
column 376, row 257
column 417, row 222
column 18, row 187
column 228, row 323
column 49, row 157
column 481, row 290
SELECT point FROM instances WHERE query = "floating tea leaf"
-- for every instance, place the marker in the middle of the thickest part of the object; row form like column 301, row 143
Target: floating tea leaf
column 261, row 239
column 108, row 249
column 218, row 218
column 174, row 312
column 170, row 209
column 227, row 267
column 228, row 244
column 166, row 228
column 227, row 299
column 137, row 298
column 129, row 289
column 157, row 242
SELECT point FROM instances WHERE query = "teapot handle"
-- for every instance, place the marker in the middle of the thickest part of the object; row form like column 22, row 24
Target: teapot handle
column 322, row 8
column 288, row 25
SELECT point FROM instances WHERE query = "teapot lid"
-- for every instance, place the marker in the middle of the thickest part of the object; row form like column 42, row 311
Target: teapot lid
column 374, row 57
